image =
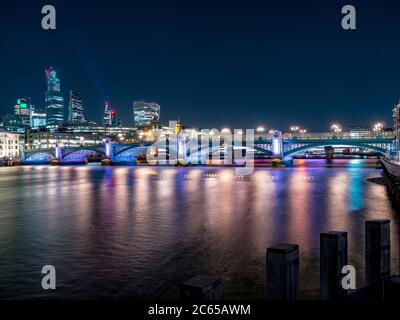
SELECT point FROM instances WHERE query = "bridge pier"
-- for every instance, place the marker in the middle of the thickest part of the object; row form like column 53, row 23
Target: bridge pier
column 277, row 144
column 108, row 154
column 57, row 155
column 329, row 150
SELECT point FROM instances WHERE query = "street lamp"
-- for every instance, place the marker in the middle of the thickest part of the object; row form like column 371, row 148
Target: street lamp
column 336, row 128
column 378, row 127
column 260, row 129
column 294, row 128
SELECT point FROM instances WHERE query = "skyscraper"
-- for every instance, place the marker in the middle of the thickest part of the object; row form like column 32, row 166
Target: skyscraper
column 115, row 122
column 54, row 99
column 37, row 118
column 107, row 115
column 22, row 110
column 76, row 112
column 146, row 113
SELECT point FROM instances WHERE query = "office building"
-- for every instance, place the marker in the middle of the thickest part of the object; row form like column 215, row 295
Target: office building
column 9, row 145
column 146, row 114
column 37, row 118
column 54, row 100
column 22, row 110
column 76, row 112
column 107, row 115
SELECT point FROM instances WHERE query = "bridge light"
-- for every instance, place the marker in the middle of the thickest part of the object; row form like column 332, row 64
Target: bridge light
column 260, row 129
column 226, row 130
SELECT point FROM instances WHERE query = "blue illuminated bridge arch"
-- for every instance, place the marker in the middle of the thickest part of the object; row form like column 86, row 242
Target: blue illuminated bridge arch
column 120, row 153
column 127, row 153
column 379, row 145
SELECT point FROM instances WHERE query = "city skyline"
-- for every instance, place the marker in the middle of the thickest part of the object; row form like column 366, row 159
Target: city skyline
column 73, row 110
column 206, row 79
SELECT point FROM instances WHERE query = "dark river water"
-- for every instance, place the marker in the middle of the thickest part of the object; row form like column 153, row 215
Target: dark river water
column 137, row 232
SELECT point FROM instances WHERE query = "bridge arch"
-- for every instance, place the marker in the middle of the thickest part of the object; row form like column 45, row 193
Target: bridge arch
column 38, row 157
column 202, row 155
column 293, row 151
column 129, row 153
column 80, row 155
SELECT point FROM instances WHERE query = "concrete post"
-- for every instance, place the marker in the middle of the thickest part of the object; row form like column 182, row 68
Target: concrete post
column 283, row 272
column 333, row 257
column 202, row 288
column 377, row 247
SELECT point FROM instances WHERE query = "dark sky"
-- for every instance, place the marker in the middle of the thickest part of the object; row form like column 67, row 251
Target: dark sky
column 212, row 63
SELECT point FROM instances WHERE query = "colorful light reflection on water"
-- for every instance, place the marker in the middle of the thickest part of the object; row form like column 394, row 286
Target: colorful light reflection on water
column 134, row 232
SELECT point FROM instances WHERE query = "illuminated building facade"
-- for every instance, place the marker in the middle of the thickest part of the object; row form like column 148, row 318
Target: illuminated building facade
column 107, row 115
column 76, row 112
column 9, row 145
column 357, row 131
column 22, row 110
column 54, row 100
column 37, row 118
column 13, row 123
column 47, row 140
column 146, row 114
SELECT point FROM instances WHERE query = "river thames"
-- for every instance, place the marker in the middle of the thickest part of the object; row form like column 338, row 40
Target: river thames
column 137, row 232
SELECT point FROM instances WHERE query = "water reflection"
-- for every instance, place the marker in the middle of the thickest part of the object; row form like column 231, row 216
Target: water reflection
column 136, row 232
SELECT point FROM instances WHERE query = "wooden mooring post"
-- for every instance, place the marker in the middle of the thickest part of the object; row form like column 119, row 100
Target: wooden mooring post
column 377, row 250
column 202, row 287
column 283, row 272
column 333, row 257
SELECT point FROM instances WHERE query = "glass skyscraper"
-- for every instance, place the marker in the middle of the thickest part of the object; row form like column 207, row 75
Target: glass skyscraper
column 54, row 99
column 146, row 113
column 107, row 115
column 76, row 111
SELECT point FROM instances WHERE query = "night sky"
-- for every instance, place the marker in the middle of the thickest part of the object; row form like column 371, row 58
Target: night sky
column 212, row 63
